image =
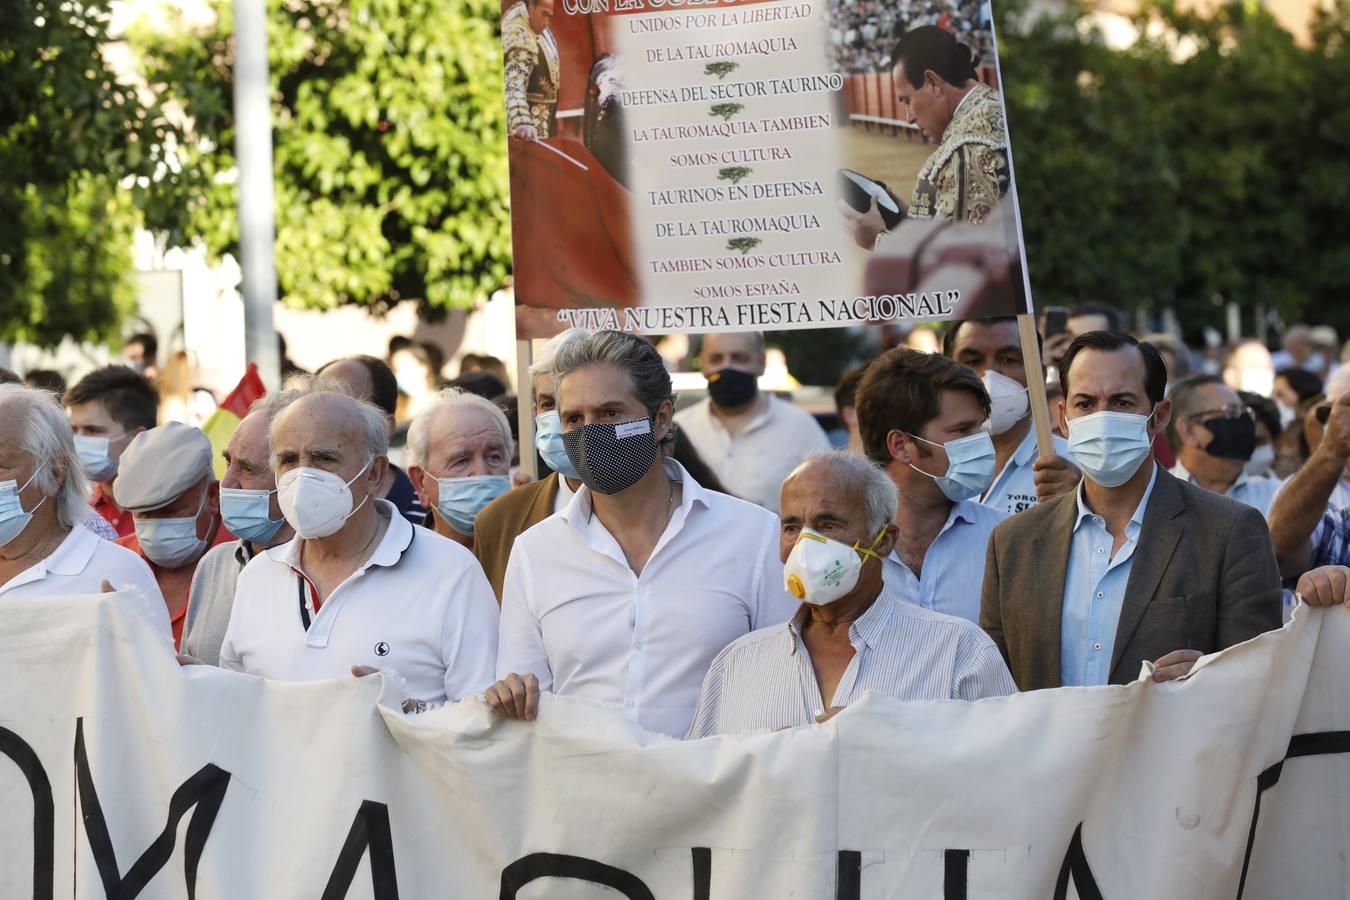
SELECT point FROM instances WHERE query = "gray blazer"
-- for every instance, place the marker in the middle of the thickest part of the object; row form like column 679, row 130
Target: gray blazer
column 1204, row 578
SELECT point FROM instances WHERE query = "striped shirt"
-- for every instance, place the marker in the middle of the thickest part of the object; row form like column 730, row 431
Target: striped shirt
column 765, row 680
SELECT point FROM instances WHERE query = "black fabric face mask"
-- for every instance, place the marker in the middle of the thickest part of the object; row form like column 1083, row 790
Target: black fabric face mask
column 610, row 458
column 732, row 387
column 1233, row 438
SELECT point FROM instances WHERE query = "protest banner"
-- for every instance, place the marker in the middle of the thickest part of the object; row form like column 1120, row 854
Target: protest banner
column 126, row 776
column 705, row 166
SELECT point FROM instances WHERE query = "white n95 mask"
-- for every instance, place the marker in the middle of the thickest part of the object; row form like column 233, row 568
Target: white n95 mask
column 820, row 571
column 316, row 503
column 1007, row 399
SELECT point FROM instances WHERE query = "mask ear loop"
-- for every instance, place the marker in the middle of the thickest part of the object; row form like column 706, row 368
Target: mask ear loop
column 872, row 550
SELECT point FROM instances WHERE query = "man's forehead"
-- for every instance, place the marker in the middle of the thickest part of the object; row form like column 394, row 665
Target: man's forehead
column 820, row 488
column 1107, row 372
column 1218, row 395
column 729, row 343
column 987, row 337
column 598, row 384
column 464, row 423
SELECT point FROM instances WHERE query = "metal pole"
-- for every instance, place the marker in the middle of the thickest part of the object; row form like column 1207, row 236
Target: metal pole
column 253, row 152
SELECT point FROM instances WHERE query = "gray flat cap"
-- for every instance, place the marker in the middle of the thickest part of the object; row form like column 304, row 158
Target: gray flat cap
column 160, row 465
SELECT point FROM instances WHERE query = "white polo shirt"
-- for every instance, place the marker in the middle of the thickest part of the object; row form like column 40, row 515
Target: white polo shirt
column 575, row 615
column 753, row 464
column 80, row 565
column 421, row 606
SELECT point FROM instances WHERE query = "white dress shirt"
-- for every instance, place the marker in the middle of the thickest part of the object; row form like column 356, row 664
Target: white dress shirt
column 766, row 681
column 563, row 497
column 1258, row 492
column 953, row 568
column 420, row 605
column 80, row 564
column 753, row 464
column 575, row 615
column 1014, row 489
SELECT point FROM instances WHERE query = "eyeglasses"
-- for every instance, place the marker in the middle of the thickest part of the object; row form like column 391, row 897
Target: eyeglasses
column 1231, row 411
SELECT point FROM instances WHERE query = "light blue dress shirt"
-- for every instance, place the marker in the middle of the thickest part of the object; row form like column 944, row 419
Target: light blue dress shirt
column 1014, row 489
column 953, row 568
column 1094, row 591
column 1258, row 493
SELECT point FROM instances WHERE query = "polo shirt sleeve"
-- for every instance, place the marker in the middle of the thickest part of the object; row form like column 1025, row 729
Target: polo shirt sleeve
column 520, row 648
column 134, row 574
column 469, row 636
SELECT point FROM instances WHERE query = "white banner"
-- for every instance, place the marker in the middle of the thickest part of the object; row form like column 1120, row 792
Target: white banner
column 129, row 777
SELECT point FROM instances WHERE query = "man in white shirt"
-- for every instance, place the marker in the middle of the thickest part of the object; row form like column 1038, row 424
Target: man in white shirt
column 750, row 440
column 1213, row 435
column 625, row 597
column 45, row 551
column 921, row 418
column 408, row 599
column 992, row 349
column 850, row 636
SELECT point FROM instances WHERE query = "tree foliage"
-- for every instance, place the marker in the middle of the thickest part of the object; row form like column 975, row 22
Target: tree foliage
column 1203, row 164
column 389, row 148
column 77, row 150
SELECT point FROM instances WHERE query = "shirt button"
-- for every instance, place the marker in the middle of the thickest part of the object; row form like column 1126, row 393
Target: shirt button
column 1097, row 646
column 1100, row 595
column 1101, row 549
column 818, row 713
column 637, row 645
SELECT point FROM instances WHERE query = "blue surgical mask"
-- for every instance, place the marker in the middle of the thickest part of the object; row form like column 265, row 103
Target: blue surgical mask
column 171, row 543
column 1110, row 446
column 970, row 466
column 246, row 512
column 548, row 440
column 13, row 519
column 94, row 456
column 462, row 499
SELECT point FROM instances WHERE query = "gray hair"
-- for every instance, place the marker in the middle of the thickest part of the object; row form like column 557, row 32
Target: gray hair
column 543, row 364
column 1187, row 400
column 632, row 354
column 47, row 438
column 373, row 421
column 880, row 500
column 271, row 405
column 446, row 400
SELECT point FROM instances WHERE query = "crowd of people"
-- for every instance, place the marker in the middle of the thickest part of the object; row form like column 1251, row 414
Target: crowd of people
column 720, row 569
column 863, row 32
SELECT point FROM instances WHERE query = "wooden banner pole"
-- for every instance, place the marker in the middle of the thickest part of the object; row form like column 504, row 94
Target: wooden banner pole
column 1040, row 404
column 525, row 407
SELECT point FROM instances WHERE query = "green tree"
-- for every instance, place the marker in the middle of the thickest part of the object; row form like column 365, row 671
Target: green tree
column 389, row 147
column 72, row 140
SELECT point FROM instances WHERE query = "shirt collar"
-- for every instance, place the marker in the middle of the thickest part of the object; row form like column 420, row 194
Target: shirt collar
column 73, row 554
column 1027, row 451
column 578, row 511
column 1136, row 520
column 867, row 629
column 1180, row 473
column 398, row 537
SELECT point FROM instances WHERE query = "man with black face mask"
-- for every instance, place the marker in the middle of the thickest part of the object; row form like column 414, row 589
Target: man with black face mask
column 750, row 440
column 624, row 598
column 1213, row 435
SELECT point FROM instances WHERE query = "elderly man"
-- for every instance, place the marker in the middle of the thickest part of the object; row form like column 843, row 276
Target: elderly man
column 992, row 349
column 850, row 635
column 108, row 407
column 459, row 459
column 372, row 379
column 624, row 598
column 249, row 509
column 921, row 418
column 514, row 513
column 750, row 440
column 408, row 599
column 1308, row 527
column 167, row 483
column 1213, row 435
column 1135, row 565
column 44, row 496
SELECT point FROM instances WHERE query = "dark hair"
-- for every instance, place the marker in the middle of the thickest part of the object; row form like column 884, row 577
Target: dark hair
column 149, row 345
column 1155, row 370
column 929, row 47
column 8, row 377
column 47, row 380
column 484, row 384
column 128, row 396
column 1094, row 308
column 1265, row 411
column 1304, row 383
column 846, row 391
column 398, row 342
column 383, row 384
column 902, row 391
column 435, row 358
column 949, row 336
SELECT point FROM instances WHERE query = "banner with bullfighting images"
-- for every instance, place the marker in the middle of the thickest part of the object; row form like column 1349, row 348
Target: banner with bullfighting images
column 725, row 165
column 124, row 775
